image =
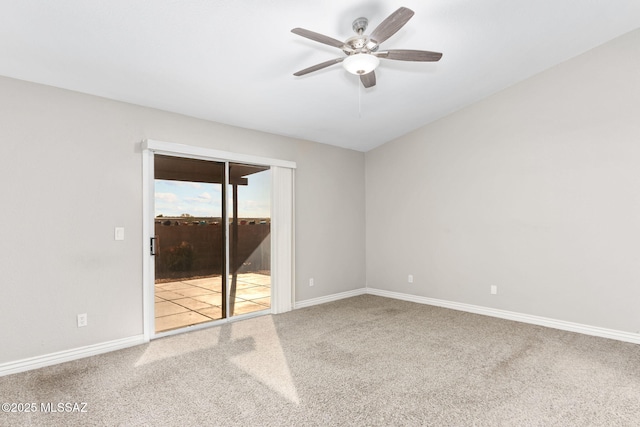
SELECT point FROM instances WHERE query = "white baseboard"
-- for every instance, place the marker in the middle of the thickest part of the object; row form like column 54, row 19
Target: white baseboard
column 329, row 298
column 68, row 355
column 510, row 315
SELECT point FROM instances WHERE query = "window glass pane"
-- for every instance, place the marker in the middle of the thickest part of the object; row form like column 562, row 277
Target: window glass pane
column 189, row 231
column 249, row 238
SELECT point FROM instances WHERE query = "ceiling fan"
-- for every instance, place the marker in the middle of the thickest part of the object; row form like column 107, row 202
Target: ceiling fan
column 362, row 54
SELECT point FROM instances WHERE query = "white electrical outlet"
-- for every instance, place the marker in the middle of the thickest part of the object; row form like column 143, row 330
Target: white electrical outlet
column 410, row 278
column 311, row 282
column 82, row 320
column 494, row 289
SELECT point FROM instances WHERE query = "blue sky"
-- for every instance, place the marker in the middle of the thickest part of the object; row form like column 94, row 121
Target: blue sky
column 174, row 198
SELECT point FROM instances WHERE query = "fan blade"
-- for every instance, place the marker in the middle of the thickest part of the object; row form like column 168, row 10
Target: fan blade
column 391, row 25
column 318, row 67
column 318, row 37
column 410, row 55
column 369, row 79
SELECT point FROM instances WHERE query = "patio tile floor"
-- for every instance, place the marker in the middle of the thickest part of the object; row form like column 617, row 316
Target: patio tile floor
column 189, row 302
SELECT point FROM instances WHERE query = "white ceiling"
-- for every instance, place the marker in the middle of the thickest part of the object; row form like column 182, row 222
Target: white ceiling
column 233, row 61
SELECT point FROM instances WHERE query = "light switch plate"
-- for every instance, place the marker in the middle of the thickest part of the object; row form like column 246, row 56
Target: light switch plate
column 119, row 233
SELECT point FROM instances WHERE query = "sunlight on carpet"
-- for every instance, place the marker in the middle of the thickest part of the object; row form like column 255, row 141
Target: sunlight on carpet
column 267, row 362
column 263, row 359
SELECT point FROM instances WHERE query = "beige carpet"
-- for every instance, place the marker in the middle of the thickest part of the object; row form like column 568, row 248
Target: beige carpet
column 365, row 361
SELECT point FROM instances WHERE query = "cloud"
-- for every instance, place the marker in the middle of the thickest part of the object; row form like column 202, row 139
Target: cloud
column 166, row 197
column 201, row 198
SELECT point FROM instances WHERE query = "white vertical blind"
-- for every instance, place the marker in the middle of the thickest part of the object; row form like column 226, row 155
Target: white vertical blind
column 282, row 261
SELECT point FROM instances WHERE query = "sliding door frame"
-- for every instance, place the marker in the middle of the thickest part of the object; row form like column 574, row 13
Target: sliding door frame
column 282, row 220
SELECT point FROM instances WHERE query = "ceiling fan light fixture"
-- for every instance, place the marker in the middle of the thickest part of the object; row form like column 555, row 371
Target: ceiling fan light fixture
column 362, row 55
column 360, row 63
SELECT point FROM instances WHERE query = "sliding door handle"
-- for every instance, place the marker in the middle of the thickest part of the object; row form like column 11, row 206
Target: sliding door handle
column 152, row 246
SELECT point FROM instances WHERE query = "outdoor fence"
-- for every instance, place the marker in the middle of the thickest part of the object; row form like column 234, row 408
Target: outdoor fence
column 197, row 249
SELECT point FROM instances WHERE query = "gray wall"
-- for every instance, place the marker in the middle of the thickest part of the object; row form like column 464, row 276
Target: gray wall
column 535, row 189
column 71, row 171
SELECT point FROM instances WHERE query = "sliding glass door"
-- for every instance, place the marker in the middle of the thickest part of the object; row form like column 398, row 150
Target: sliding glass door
column 211, row 241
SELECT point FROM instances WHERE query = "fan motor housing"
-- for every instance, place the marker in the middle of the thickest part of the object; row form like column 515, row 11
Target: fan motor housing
column 358, row 44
